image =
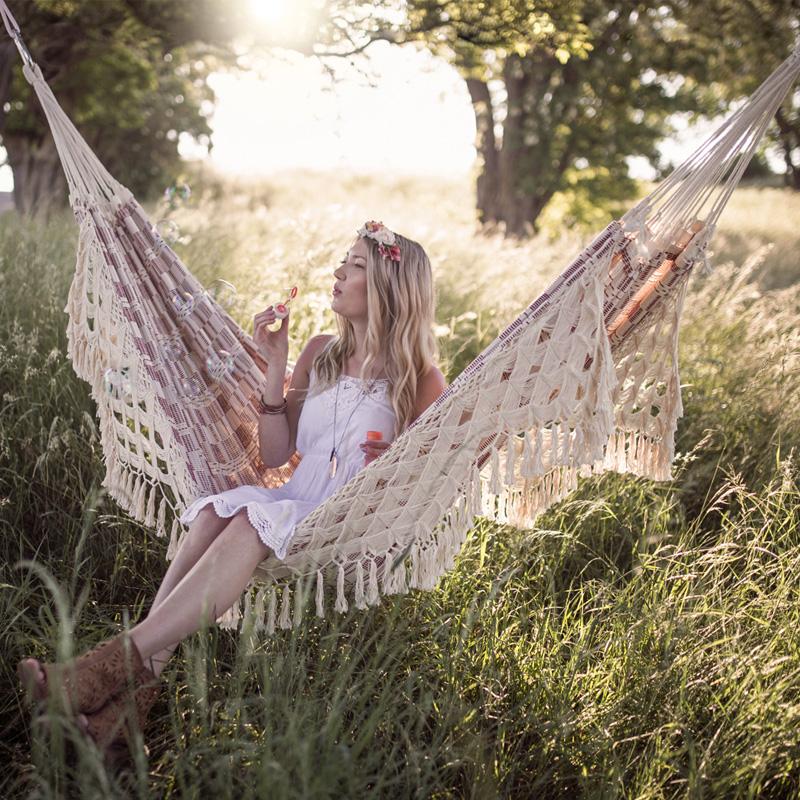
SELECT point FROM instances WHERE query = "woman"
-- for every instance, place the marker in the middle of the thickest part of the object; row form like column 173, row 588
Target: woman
column 384, row 304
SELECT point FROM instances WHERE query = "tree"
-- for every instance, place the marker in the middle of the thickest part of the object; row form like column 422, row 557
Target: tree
column 741, row 42
column 563, row 92
column 130, row 74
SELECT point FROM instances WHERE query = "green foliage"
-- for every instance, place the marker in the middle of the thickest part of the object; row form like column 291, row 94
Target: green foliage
column 470, row 31
column 580, row 87
column 641, row 640
column 585, row 86
column 759, row 171
column 740, row 42
column 128, row 80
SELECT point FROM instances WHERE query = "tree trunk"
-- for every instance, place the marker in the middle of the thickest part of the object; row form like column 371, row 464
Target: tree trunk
column 488, row 162
column 516, row 180
column 8, row 59
column 790, row 141
column 40, row 186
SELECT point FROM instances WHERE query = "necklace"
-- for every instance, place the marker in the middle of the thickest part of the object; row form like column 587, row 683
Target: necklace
column 364, row 392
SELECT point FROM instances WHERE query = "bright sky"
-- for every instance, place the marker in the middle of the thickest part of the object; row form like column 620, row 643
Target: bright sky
column 288, row 112
column 418, row 119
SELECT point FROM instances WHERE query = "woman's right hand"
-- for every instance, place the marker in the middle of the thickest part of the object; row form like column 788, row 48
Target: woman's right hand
column 274, row 345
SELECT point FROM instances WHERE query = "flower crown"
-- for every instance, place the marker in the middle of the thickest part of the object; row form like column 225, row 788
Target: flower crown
column 387, row 242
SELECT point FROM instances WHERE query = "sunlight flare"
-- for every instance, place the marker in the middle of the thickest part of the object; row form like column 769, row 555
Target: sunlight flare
column 273, row 12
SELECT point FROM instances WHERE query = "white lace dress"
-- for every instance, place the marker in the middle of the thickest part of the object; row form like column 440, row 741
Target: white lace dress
column 274, row 513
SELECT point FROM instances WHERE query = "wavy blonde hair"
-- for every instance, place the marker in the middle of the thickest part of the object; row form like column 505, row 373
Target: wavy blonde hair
column 401, row 305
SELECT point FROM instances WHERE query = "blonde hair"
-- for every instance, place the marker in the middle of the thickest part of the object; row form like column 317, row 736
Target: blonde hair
column 401, row 305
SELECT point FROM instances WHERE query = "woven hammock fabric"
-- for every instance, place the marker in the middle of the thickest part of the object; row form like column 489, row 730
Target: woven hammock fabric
column 584, row 380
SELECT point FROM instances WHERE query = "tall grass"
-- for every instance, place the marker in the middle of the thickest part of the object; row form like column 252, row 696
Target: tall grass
column 640, row 642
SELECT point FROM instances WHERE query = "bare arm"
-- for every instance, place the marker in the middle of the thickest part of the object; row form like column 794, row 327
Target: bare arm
column 273, row 429
column 277, row 433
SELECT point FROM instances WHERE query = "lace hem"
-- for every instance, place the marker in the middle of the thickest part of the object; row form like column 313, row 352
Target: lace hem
column 262, row 525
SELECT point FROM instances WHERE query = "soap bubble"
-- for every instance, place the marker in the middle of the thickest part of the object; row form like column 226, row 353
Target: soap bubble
column 192, row 386
column 168, row 230
column 182, row 301
column 223, row 293
column 220, row 364
column 173, row 349
column 176, row 193
column 117, row 384
column 646, row 249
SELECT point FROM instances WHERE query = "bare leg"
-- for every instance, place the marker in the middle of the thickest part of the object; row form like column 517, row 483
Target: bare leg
column 201, row 533
column 210, row 587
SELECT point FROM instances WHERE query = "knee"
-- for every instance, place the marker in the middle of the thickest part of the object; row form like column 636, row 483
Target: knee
column 238, row 521
column 242, row 527
column 241, row 517
column 207, row 514
column 209, row 523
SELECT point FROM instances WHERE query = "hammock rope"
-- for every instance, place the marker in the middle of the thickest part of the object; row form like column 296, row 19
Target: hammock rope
column 583, row 380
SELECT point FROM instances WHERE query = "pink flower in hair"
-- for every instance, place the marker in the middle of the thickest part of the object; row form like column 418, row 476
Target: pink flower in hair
column 387, row 241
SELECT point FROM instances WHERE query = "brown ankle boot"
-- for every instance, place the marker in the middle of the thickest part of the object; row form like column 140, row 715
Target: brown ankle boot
column 111, row 727
column 87, row 682
column 36, row 687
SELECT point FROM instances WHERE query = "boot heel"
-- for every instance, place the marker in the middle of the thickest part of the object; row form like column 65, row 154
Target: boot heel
column 111, row 728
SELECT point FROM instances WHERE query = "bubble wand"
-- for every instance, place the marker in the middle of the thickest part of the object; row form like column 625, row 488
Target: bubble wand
column 282, row 309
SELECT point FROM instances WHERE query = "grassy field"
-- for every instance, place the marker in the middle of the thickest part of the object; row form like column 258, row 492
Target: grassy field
column 642, row 641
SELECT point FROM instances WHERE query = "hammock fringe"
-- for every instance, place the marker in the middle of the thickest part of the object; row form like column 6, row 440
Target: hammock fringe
column 426, row 565
column 623, row 452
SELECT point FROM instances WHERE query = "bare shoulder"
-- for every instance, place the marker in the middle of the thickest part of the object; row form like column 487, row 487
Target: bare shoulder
column 321, row 339
column 433, row 370
column 429, row 387
column 311, row 350
column 435, row 376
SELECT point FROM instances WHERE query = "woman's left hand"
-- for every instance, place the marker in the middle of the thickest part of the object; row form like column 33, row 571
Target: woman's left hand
column 373, row 448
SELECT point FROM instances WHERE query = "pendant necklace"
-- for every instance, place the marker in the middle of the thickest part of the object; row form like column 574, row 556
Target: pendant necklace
column 364, row 393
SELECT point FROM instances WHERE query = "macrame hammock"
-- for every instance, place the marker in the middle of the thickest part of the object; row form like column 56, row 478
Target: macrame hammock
column 584, row 380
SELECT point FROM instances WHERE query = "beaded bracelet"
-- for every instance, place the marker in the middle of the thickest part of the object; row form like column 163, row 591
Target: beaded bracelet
column 266, row 408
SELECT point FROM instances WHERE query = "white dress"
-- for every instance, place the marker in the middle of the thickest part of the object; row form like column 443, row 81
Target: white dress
column 274, row 513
